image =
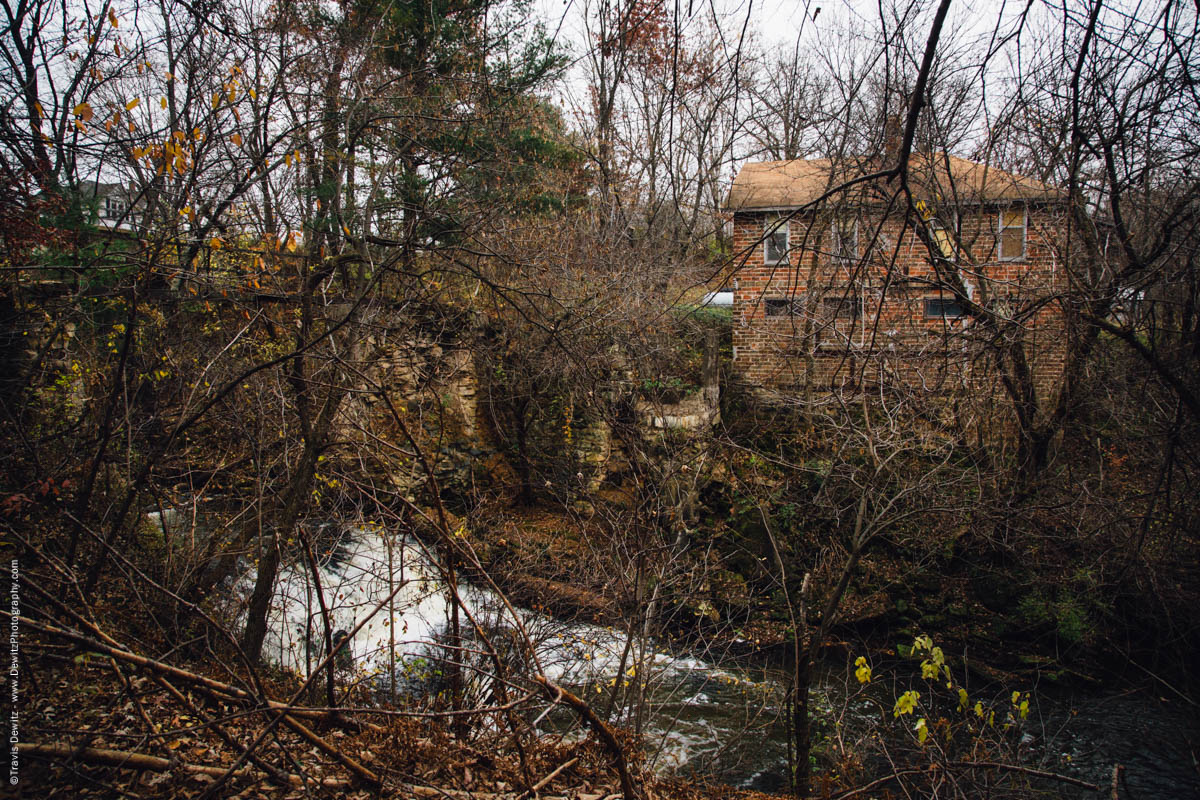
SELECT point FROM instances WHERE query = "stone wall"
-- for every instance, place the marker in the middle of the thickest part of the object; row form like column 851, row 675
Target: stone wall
column 433, row 382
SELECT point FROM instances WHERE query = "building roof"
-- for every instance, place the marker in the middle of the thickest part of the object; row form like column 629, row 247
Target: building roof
column 940, row 177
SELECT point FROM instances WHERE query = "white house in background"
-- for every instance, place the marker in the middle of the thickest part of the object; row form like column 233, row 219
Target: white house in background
column 116, row 205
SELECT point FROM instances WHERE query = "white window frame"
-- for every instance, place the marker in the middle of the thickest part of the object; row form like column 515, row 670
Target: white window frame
column 1001, row 228
column 774, row 227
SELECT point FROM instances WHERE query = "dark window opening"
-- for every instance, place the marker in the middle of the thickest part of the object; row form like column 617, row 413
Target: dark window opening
column 947, row 307
column 779, row 307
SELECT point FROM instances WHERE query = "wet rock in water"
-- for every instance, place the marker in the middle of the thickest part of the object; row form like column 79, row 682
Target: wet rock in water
column 343, row 661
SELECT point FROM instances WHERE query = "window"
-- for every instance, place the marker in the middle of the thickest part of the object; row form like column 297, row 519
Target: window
column 1012, row 234
column 114, row 207
column 845, row 238
column 943, row 307
column 839, row 315
column 840, row 307
column 775, row 245
column 942, row 239
column 779, row 307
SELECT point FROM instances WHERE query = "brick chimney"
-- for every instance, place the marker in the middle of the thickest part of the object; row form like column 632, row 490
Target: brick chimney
column 893, row 137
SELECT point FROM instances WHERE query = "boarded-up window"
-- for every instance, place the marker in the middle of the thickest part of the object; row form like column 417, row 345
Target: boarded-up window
column 1012, row 234
column 942, row 239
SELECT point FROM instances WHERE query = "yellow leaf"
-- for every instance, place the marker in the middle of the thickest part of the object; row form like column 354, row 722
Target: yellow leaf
column 216, row 100
column 83, row 111
column 38, row 106
column 132, row 104
column 906, row 703
column 863, row 671
column 162, row 102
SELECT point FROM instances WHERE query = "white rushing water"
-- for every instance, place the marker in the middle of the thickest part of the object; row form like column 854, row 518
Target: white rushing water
column 698, row 710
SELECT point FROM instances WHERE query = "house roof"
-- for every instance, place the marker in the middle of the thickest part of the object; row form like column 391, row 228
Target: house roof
column 793, row 184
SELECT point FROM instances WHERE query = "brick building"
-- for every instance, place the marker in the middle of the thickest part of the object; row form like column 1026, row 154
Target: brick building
column 862, row 287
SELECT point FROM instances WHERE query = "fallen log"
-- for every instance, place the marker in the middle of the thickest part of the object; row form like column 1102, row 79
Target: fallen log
column 558, row 694
column 288, row 715
column 143, row 762
column 227, row 690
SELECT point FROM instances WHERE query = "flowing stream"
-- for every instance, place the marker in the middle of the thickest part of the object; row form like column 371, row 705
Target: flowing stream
column 701, row 718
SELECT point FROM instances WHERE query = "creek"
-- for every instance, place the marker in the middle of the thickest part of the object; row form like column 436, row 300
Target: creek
column 696, row 717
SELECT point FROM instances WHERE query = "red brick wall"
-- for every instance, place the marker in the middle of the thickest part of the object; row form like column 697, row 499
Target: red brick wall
column 890, row 339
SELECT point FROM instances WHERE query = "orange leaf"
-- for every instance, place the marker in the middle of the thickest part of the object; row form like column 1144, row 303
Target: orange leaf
column 112, row 17
column 236, row 139
column 83, row 111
